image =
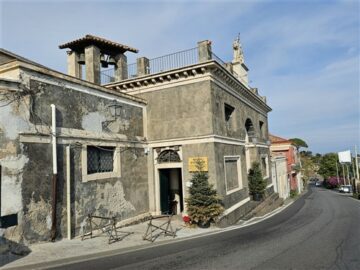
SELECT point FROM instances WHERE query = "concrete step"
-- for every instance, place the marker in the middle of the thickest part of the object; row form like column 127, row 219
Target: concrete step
column 270, row 207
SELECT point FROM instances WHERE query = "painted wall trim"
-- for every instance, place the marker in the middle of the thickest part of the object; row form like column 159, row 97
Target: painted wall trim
column 33, row 138
column 196, row 140
column 179, row 82
column 86, row 90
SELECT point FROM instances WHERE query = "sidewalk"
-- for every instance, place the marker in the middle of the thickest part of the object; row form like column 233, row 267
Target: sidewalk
column 75, row 248
column 48, row 252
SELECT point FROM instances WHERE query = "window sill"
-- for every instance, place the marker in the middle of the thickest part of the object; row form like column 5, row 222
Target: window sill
column 99, row 176
column 232, row 191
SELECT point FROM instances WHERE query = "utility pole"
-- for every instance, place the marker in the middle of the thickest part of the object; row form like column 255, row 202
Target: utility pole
column 357, row 169
column 337, row 172
column 344, row 173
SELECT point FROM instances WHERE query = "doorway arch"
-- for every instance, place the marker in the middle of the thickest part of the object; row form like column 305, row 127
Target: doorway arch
column 169, row 183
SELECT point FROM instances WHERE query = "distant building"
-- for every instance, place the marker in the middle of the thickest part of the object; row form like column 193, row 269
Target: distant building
column 281, row 147
column 133, row 131
column 280, row 176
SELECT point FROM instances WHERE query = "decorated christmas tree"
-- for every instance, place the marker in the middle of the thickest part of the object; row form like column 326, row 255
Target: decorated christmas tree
column 203, row 204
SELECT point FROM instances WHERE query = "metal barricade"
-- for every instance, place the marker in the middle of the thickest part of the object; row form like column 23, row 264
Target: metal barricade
column 157, row 226
column 94, row 223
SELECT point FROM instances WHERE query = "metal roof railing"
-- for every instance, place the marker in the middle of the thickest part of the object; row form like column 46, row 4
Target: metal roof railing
column 163, row 63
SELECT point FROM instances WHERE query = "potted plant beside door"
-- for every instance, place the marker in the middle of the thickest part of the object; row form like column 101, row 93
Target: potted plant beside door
column 257, row 184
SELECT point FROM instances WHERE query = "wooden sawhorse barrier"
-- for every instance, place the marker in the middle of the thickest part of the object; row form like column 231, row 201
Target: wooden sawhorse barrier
column 157, row 226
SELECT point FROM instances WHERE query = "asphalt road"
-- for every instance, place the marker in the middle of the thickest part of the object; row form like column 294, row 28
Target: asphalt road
column 321, row 230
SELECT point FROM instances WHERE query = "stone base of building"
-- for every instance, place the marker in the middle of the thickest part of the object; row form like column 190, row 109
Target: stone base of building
column 246, row 208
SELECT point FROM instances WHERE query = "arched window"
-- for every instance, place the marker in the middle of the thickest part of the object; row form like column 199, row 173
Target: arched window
column 250, row 130
column 168, row 156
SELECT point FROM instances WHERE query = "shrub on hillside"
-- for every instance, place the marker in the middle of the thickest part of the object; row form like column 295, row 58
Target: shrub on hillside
column 293, row 193
column 333, row 182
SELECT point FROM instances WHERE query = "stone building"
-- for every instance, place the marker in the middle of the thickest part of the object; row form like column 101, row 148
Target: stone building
column 201, row 107
column 281, row 179
column 281, row 147
column 105, row 132
column 126, row 137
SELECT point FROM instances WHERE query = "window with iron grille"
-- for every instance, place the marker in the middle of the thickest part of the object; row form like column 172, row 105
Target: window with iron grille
column 100, row 159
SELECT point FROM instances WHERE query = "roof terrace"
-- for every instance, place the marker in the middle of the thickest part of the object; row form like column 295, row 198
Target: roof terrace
column 144, row 66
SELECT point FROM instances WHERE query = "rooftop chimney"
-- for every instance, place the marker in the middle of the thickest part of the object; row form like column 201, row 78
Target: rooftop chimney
column 95, row 52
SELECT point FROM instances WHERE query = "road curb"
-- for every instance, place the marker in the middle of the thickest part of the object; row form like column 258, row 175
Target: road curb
column 104, row 254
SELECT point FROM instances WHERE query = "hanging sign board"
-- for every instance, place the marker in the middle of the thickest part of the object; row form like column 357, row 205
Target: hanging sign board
column 198, row 164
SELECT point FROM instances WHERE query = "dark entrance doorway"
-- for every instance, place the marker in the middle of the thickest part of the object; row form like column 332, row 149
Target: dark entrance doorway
column 171, row 197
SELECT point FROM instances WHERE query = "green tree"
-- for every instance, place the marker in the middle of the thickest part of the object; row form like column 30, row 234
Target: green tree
column 203, row 204
column 257, row 184
column 298, row 143
column 309, row 165
column 327, row 166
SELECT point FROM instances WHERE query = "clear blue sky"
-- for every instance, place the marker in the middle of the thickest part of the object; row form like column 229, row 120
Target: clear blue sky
column 302, row 55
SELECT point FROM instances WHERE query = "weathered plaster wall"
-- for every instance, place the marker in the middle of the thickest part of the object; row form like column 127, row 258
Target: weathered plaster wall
column 14, row 118
column 36, row 192
column 222, row 150
column 82, row 111
column 200, row 150
column 123, row 197
column 27, row 167
column 179, row 112
column 215, row 153
column 11, row 180
column 236, row 126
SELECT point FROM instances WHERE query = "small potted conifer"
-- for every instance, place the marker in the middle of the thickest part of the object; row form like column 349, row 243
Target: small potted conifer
column 203, row 203
column 257, row 184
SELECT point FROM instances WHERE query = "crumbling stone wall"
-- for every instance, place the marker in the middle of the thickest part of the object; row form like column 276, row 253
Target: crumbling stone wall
column 78, row 110
column 27, row 165
column 14, row 118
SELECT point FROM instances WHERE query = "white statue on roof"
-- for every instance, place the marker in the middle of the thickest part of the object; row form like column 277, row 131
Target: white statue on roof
column 238, row 52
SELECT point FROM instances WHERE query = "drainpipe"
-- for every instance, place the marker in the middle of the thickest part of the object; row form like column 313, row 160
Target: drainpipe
column 54, row 177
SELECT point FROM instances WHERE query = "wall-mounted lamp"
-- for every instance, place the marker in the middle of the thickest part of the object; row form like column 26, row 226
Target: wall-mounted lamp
column 115, row 109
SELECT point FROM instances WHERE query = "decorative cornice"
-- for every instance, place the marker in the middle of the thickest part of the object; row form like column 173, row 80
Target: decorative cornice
column 18, row 64
column 143, row 82
column 228, row 79
column 190, row 72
